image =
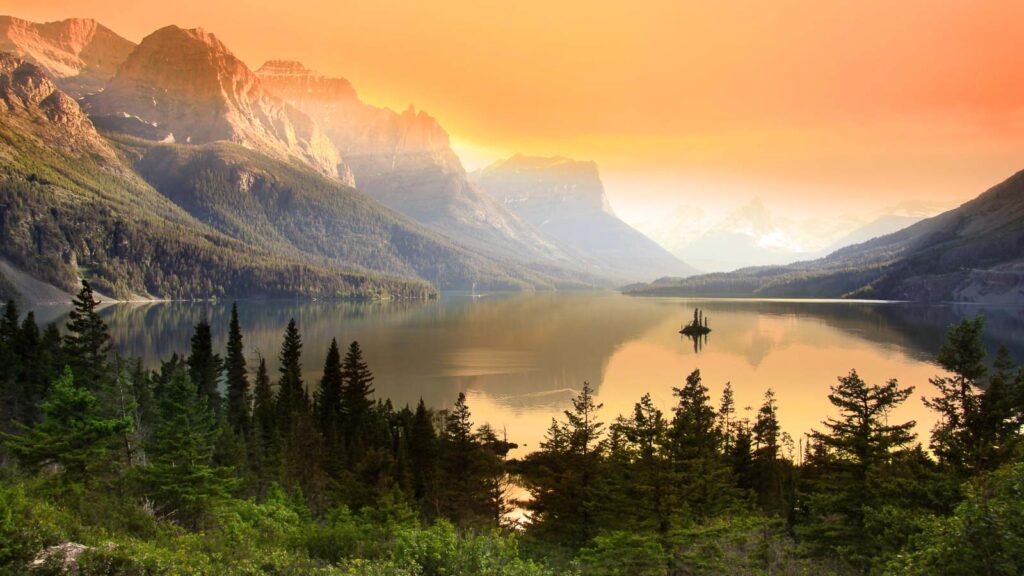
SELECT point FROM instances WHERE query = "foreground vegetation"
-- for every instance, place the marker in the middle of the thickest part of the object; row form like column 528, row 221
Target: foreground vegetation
column 204, row 466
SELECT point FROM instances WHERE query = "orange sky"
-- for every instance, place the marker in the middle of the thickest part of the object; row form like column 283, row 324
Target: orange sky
column 816, row 107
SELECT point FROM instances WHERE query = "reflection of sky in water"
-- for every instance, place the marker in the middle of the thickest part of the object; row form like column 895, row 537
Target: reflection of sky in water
column 520, row 358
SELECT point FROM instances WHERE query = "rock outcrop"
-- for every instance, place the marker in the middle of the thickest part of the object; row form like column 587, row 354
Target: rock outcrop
column 80, row 54
column 185, row 86
column 405, row 161
column 33, row 104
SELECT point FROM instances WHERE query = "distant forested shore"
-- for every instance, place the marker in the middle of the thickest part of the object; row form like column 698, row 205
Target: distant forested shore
column 211, row 464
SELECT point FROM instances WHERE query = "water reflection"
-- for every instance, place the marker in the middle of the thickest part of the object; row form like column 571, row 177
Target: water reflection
column 521, row 357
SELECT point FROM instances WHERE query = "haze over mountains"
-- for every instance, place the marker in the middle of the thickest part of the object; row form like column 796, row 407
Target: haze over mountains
column 565, row 199
column 341, row 198
column 126, row 158
column 404, row 160
column 973, row 253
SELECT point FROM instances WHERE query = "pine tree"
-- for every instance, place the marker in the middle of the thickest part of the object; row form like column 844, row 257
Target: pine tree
column 423, row 452
column 237, row 378
column 563, row 475
column 703, row 479
column 87, row 344
column 181, row 477
column 329, row 411
column 356, row 400
column 727, row 416
column 861, row 445
column 464, row 493
column 957, row 436
column 767, row 463
column 646, row 486
column 291, row 393
column 205, row 366
column 72, row 434
column 265, row 449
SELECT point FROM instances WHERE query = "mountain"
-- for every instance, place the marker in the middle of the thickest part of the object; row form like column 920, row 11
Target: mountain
column 404, row 161
column 290, row 209
column 79, row 54
column 973, row 253
column 71, row 208
column 749, row 235
column 884, row 224
column 565, row 200
column 186, row 86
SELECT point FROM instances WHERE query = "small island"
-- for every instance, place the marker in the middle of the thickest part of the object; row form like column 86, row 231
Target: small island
column 699, row 325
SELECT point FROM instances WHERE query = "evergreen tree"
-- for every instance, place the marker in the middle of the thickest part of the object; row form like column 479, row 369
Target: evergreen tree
column 646, row 488
column 237, row 378
column 695, row 441
column 329, row 411
column 1000, row 415
column 73, row 435
column 204, row 367
column 727, row 417
column 356, row 400
column 957, row 436
column 562, row 476
column 423, row 452
column 768, row 466
column 265, row 449
column 462, row 494
column 291, row 392
column 861, row 445
column 87, row 344
column 181, row 476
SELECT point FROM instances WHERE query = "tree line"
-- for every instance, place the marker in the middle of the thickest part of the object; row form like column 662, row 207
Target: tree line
column 205, row 455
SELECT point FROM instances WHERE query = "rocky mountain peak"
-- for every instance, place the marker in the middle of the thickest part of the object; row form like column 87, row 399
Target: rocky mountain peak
column 188, row 62
column 293, row 81
column 80, row 54
column 185, row 86
column 31, row 100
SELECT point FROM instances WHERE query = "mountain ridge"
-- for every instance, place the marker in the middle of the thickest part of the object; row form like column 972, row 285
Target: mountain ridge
column 566, row 200
column 71, row 208
column 404, row 160
column 185, row 85
column 80, row 54
column 972, row 253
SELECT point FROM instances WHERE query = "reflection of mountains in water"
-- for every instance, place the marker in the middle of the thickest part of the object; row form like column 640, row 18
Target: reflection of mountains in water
column 524, row 351
column 529, row 352
column 914, row 329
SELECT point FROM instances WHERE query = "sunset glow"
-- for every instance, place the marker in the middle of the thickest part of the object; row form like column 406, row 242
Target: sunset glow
column 811, row 106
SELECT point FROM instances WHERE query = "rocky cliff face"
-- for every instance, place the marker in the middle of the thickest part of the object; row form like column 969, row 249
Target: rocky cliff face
column 405, row 161
column 565, row 199
column 34, row 106
column 79, row 54
column 185, row 86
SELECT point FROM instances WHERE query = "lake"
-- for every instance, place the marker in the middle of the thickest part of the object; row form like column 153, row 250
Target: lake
column 521, row 357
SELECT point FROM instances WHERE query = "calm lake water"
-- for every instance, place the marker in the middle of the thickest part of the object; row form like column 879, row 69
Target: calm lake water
column 520, row 358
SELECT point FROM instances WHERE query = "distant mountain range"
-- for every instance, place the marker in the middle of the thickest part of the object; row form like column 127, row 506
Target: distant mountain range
column 565, row 200
column 754, row 235
column 973, row 253
column 169, row 169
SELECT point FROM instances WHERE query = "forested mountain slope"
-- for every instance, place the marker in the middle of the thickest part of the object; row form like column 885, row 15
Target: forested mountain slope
column 70, row 207
column 288, row 209
column 972, row 253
